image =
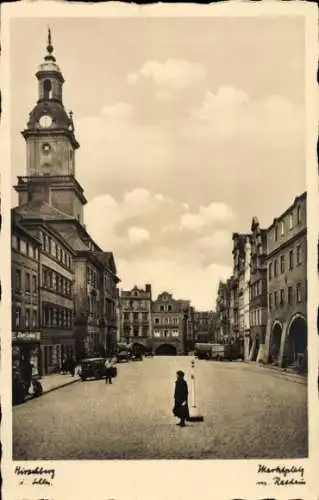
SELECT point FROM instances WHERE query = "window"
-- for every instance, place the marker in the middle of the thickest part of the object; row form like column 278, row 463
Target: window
column 298, row 257
column 35, row 253
column 298, row 215
column 282, row 297
column 135, row 331
column 14, row 242
column 291, row 221
column 169, row 308
column 18, row 280
column 275, row 299
column 291, row 260
column 290, row 295
column 145, row 331
column 126, row 316
column 27, row 282
column 282, row 264
column 135, row 316
column 299, row 294
column 161, row 308
column 34, row 284
column 270, row 271
column 156, row 321
column 18, row 316
column 166, row 321
column 276, row 233
column 145, row 317
column 34, row 318
column 27, row 318
column 276, row 268
column 282, row 228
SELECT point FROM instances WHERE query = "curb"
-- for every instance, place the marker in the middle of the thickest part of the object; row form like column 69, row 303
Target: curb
column 65, row 384
column 291, row 377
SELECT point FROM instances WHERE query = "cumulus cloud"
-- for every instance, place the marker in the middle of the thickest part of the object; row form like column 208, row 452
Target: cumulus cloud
column 172, row 74
column 137, row 235
column 213, row 213
column 229, row 112
column 144, row 229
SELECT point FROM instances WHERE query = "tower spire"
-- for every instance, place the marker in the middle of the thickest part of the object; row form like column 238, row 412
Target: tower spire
column 49, row 56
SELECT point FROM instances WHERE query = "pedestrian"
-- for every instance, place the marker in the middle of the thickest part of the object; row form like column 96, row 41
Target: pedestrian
column 72, row 366
column 108, row 370
column 180, row 409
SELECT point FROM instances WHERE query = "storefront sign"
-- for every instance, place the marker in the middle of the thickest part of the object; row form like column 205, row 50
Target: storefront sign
column 26, row 336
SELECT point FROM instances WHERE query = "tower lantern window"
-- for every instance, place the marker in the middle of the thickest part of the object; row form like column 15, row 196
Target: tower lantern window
column 47, row 89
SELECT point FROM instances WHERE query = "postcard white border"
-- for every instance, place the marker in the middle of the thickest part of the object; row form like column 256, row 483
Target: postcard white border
column 166, row 479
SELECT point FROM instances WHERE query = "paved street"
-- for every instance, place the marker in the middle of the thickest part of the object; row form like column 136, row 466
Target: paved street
column 249, row 413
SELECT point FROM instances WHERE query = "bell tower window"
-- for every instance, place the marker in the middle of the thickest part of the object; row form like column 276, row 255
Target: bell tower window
column 47, row 89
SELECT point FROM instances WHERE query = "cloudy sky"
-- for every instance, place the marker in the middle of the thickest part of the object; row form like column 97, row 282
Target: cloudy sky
column 188, row 128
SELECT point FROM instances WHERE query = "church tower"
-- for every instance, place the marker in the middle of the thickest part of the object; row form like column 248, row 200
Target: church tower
column 50, row 146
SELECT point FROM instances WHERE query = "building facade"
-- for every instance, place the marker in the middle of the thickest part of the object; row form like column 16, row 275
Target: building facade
column 136, row 317
column 25, row 296
column 78, row 280
column 258, row 291
column 169, row 322
column 286, row 338
column 241, row 256
column 223, row 312
column 203, row 326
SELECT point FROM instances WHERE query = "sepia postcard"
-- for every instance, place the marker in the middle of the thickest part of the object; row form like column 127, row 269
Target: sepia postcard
column 159, row 251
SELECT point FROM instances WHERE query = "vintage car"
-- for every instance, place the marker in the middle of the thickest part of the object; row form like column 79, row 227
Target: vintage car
column 123, row 355
column 92, row 368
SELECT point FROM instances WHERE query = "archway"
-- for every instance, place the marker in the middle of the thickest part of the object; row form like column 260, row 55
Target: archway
column 166, row 350
column 296, row 349
column 275, row 341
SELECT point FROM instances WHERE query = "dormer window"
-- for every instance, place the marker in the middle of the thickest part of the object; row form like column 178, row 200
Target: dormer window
column 298, row 215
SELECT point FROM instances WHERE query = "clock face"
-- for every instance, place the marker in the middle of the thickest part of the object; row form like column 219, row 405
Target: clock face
column 45, row 121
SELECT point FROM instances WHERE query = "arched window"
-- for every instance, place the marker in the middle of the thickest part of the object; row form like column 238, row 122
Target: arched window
column 47, row 89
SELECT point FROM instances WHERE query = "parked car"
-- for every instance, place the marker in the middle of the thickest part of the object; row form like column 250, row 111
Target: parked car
column 217, row 352
column 92, row 368
column 123, row 355
column 203, row 350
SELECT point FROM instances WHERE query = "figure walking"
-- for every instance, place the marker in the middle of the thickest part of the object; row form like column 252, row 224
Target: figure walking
column 181, row 409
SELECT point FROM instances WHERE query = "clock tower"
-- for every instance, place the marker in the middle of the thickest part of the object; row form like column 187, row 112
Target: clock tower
column 51, row 146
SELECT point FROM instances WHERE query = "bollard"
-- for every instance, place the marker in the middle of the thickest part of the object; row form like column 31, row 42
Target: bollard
column 194, row 417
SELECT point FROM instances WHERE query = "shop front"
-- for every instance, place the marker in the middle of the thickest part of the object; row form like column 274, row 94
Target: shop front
column 26, row 351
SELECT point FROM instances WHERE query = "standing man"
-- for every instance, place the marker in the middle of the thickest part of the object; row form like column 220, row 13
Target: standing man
column 108, row 371
column 180, row 409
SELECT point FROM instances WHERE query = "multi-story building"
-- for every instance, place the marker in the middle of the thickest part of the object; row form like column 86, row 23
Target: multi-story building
column 25, row 265
column 258, row 291
column 222, row 312
column 169, row 318
column 136, row 316
column 203, row 326
column 241, row 255
column 233, row 308
column 51, row 197
column 286, row 338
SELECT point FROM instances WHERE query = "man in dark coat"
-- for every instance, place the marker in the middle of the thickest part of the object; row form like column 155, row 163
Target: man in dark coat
column 180, row 409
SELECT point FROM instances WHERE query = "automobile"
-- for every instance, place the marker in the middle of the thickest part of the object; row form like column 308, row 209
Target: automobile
column 123, row 355
column 92, row 368
column 137, row 356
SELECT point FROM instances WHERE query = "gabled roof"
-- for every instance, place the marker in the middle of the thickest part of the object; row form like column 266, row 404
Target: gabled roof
column 108, row 260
